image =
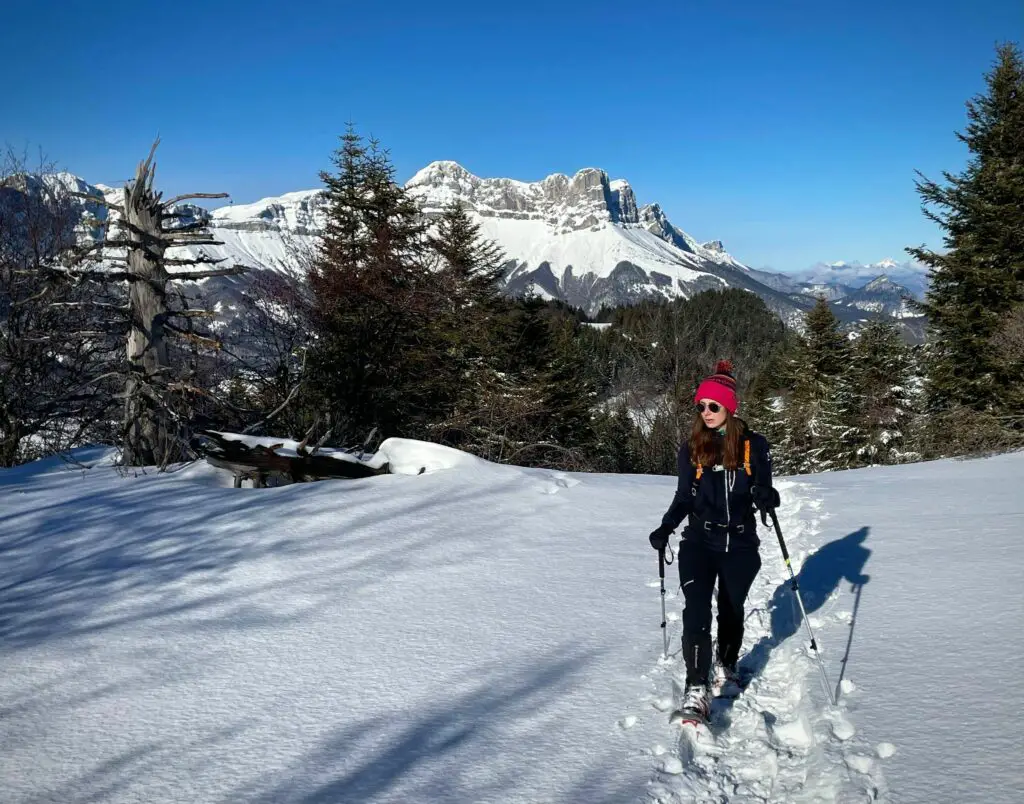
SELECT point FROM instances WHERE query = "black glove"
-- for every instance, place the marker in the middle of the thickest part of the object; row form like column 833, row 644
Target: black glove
column 659, row 537
column 766, row 498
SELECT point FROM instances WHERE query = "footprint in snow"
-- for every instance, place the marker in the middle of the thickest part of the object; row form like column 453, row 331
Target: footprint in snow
column 554, row 483
column 663, row 704
column 861, row 763
column 794, row 736
column 842, row 728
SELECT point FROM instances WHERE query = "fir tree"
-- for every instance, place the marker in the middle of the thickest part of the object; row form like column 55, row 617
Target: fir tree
column 883, row 376
column 828, row 351
column 373, row 356
column 768, row 403
column 471, row 266
column 979, row 277
column 821, row 407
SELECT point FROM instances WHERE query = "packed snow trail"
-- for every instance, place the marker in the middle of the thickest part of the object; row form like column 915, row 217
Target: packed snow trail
column 779, row 740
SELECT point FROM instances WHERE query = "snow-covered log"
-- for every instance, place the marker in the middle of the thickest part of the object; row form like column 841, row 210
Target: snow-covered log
column 257, row 458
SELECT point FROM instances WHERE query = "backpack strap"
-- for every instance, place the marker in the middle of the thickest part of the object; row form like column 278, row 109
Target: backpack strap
column 746, row 467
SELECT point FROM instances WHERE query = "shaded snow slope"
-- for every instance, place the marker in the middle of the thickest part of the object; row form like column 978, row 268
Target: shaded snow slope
column 489, row 634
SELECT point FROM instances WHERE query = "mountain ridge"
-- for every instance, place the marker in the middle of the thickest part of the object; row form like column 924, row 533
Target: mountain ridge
column 582, row 239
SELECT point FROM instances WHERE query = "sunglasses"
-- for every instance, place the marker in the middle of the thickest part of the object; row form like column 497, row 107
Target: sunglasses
column 714, row 407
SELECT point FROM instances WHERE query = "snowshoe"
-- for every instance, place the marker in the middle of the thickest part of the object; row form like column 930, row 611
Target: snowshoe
column 696, row 707
column 729, row 680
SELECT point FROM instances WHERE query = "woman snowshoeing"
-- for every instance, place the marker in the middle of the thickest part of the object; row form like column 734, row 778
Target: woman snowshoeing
column 724, row 472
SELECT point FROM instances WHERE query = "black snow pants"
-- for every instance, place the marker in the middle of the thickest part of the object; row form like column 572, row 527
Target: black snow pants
column 699, row 568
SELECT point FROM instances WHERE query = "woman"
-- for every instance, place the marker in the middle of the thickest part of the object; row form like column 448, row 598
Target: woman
column 725, row 470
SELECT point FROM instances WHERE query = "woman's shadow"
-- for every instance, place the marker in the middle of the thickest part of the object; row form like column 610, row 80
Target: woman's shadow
column 820, row 575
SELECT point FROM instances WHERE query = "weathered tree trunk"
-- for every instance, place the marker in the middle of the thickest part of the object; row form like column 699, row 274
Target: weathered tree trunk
column 156, row 420
column 10, row 445
column 148, row 438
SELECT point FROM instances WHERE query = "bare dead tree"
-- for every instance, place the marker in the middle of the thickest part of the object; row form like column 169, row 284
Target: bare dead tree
column 273, row 339
column 58, row 335
column 157, row 393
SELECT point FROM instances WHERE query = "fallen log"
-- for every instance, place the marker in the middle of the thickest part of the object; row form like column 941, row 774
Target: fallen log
column 260, row 458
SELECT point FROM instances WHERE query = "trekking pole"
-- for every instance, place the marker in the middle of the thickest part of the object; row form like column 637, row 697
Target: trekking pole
column 803, row 611
column 664, row 617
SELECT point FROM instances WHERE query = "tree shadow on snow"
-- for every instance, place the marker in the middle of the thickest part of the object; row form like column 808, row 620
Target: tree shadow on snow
column 116, row 553
column 464, row 745
column 821, row 574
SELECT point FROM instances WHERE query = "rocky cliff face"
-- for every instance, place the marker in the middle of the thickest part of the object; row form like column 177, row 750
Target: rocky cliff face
column 583, row 239
column 584, row 201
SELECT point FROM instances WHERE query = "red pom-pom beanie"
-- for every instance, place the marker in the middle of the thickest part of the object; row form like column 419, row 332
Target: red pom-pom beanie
column 720, row 386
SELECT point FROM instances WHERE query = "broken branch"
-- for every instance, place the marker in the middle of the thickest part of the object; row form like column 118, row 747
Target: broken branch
column 187, row 196
column 188, row 275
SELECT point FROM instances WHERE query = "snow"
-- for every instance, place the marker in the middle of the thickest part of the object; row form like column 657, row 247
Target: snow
column 485, row 633
column 289, row 448
column 291, row 207
column 586, row 251
column 937, row 642
column 911, row 274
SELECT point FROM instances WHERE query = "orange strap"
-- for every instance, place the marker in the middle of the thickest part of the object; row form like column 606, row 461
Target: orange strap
column 746, row 460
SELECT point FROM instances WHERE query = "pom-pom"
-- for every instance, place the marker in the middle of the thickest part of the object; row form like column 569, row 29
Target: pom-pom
column 724, row 367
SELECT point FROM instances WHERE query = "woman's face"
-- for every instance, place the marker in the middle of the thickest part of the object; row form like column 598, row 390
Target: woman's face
column 713, row 413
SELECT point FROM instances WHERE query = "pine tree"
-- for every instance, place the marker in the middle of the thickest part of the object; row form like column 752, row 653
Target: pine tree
column 979, row 278
column 828, row 349
column 374, row 357
column 469, row 308
column 883, row 376
column 471, row 265
column 768, row 403
column 821, row 408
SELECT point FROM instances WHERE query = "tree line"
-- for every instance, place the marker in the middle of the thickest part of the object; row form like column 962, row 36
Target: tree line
column 395, row 325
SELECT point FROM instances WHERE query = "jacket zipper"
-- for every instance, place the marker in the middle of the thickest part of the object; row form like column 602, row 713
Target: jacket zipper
column 725, row 475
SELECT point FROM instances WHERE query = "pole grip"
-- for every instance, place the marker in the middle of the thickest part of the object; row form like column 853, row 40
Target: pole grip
column 778, row 532
column 661, row 564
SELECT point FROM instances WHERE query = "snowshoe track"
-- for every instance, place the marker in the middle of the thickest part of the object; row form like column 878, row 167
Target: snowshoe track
column 779, row 740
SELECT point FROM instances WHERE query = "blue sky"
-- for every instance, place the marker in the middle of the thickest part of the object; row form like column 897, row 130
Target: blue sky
column 790, row 130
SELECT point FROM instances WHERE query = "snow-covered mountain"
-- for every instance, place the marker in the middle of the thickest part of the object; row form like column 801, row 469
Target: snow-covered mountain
column 882, row 295
column 845, row 277
column 586, row 240
column 583, row 239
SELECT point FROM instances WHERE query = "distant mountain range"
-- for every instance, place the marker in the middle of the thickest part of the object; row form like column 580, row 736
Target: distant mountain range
column 582, row 239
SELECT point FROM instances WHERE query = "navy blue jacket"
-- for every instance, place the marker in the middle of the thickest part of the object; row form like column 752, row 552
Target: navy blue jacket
column 719, row 505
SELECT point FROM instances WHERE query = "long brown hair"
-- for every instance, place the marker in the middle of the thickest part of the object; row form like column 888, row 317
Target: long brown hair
column 704, row 449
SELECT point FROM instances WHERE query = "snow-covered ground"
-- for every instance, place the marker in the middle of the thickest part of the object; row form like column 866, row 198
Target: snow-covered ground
column 479, row 633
